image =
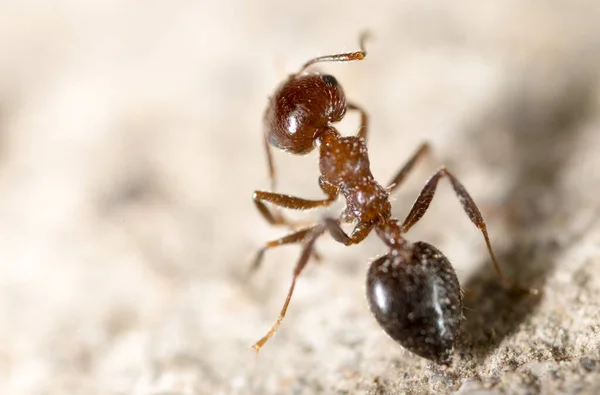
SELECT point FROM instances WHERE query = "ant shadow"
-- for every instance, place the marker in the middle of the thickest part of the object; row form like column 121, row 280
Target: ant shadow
column 543, row 129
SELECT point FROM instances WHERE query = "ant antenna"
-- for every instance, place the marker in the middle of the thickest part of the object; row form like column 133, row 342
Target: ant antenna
column 342, row 57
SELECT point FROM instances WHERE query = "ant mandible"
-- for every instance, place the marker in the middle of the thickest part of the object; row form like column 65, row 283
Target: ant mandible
column 412, row 291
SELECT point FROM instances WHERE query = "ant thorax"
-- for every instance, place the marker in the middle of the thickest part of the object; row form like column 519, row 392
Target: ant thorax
column 344, row 162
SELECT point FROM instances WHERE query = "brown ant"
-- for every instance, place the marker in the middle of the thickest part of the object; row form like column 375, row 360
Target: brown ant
column 413, row 291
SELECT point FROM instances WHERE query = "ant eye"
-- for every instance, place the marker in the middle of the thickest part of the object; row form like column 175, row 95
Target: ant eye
column 330, row 80
column 417, row 301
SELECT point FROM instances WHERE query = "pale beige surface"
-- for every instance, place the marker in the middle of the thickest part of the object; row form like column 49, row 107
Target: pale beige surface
column 130, row 145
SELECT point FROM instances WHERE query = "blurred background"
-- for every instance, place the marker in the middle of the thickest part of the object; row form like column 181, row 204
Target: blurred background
column 130, row 145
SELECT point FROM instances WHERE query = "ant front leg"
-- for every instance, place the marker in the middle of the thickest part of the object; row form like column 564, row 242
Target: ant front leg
column 286, row 201
column 270, row 163
column 313, row 234
column 364, row 118
column 291, row 202
column 424, row 200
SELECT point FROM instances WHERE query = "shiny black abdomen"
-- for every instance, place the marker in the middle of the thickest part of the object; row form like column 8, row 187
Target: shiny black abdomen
column 416, row 299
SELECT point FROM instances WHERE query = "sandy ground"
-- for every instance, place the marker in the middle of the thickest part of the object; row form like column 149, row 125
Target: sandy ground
column 130, row 145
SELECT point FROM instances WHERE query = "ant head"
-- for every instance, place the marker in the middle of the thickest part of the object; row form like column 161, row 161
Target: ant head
column 302, row 108
column 415, row 296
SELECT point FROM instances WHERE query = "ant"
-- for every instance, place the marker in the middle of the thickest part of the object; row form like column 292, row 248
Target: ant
column 412, row 291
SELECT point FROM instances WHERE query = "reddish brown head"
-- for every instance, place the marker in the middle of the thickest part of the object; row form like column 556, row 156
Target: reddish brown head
column 301, row 109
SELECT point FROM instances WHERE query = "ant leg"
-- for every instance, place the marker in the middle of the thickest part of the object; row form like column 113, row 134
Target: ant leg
column 291, row 202
column 424, row 200
column 270, row 163
column 342, row 57
column 275, row 218
column 362, row 132
column 401, row 175
column 359, row 233
column 285, row 201
column 306, row 252
column 296, row 237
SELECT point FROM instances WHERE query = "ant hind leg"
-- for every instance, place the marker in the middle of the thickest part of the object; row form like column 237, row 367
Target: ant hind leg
column 310, row 235
column 306, row 252
column 424, row 200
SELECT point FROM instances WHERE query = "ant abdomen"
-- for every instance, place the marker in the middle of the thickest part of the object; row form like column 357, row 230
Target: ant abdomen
column 302, row 108
column 415, row 296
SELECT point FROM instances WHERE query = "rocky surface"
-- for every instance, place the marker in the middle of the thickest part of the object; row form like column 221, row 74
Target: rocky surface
column 130, row 145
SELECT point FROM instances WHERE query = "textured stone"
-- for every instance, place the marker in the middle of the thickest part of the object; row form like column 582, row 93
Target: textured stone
column 131, row 143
